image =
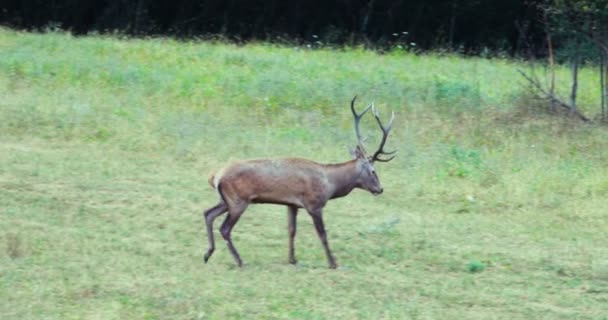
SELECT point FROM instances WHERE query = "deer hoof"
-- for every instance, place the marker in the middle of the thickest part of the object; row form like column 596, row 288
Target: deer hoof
column 207, row 255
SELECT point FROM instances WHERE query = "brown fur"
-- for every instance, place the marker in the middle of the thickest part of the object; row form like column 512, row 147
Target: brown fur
column 290, row 181
column 293, row 182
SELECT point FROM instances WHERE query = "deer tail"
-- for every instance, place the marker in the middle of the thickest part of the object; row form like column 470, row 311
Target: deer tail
column 211, row 180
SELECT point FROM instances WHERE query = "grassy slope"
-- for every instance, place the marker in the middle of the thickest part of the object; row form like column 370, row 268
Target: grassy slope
column 105, row 146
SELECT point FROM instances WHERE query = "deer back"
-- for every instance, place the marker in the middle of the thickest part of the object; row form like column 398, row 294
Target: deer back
column 289, row 181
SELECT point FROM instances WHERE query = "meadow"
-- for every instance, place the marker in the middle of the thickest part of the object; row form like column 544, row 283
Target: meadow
column 491, row 210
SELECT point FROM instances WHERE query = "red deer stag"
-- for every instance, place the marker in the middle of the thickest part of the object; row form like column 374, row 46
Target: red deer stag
column 295, row 183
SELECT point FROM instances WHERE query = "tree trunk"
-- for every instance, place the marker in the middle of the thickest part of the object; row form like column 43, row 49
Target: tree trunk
column 602, row 85
column 605, row 86
column 522, row 31
column 139, row 14
column 551, row 63
column 575, row 62
column 366, row 18
column 452, row 25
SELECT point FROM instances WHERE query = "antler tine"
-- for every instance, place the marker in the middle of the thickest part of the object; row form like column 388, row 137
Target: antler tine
column 385, row 131
column 358, row 117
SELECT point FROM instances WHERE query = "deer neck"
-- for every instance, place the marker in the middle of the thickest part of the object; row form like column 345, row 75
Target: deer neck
column 343, row 178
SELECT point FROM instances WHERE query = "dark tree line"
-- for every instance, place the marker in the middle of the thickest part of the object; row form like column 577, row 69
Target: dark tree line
column 467, row 25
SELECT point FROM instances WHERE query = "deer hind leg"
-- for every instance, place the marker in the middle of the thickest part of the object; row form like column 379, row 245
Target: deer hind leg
column 292, row 215
column 317, row 218
column 234, row 213
column 210, row 215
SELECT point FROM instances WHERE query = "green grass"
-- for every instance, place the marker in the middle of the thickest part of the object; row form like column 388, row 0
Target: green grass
column 489, row 212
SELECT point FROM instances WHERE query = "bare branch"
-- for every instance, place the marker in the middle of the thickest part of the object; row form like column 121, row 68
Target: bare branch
column 552, row 97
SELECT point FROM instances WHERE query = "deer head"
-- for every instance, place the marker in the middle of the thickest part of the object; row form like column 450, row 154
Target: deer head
column 368, row 179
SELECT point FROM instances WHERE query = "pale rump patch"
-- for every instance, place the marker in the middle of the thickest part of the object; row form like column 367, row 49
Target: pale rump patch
column 217, row 177
column 214, row 180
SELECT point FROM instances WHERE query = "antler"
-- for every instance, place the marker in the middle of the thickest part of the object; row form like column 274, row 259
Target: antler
column 358, row 117
column 385, row 131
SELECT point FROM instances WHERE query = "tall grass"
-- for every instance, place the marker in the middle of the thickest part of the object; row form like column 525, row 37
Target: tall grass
column 105, row 144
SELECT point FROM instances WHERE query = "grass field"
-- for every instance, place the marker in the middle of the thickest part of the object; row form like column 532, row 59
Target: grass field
column 490, row 210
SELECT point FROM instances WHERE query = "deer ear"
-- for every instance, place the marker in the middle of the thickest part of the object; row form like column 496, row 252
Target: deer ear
column 357, row 153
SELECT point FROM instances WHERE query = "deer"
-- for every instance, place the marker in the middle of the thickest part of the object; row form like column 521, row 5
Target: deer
column 297, row 184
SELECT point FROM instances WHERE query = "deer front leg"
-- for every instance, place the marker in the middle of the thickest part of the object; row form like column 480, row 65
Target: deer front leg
column 234, row 213
column 210, row 215
column 317, row 218
column 292, row 213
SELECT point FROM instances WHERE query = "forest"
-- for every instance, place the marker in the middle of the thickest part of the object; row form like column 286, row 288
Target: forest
column 470, row 26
